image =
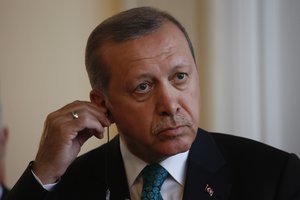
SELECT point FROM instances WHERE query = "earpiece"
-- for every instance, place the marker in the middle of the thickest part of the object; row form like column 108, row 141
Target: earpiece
column 108, row 114
column 107, row 160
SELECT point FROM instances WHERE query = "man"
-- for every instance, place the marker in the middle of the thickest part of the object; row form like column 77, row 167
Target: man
column 3, row 142
column 142, row 70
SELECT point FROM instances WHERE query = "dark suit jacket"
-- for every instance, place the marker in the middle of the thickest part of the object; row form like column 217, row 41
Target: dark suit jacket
column 234, row 168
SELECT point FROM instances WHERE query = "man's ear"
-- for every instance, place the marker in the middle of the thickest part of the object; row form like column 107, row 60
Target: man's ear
column 97, row 97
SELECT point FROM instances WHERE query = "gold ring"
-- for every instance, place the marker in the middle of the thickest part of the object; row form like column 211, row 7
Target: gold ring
column 74, row 115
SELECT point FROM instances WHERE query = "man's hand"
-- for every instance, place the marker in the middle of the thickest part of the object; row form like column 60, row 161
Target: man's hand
column 63, row 137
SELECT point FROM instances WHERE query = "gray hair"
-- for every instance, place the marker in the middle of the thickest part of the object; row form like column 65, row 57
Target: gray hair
column 119, row 28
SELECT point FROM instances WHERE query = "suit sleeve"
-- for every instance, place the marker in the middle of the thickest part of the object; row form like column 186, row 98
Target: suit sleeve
column 289, row 188
column 27, row 187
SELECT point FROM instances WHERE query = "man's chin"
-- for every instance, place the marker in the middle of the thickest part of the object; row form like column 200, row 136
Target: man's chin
column 159, row 154
column 171, row 148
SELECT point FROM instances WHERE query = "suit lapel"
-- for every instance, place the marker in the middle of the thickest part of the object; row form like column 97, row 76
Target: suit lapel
column 116, row 180
column 207, row 171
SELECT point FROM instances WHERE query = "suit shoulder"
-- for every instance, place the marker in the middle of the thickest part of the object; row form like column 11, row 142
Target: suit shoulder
column 241, row 145
column 243, row 151
column 257, row 168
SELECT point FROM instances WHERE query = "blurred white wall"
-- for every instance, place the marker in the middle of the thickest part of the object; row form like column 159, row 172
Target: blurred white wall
column 289, row 87
column 254, row 70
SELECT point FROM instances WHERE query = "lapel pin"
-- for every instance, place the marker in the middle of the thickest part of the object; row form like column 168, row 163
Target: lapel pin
column 209, row 190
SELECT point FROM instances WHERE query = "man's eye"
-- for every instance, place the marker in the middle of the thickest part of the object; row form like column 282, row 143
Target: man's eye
column 181, row 76
column 143, row 88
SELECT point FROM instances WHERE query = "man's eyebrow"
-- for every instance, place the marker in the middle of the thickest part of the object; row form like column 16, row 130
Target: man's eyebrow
column 180, row 66
column 143, row 76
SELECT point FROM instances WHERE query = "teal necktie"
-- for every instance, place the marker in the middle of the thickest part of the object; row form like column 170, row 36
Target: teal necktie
column 153, row 177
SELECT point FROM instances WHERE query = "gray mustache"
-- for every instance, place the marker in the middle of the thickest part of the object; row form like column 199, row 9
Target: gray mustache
column 169, row 122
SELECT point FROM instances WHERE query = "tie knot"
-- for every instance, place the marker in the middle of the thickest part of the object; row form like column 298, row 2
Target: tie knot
column 153, row 177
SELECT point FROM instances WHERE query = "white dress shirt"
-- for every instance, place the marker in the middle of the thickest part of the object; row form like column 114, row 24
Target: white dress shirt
column 173, row 186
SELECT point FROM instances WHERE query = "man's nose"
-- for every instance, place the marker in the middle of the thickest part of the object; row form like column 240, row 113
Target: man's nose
column 167, row 100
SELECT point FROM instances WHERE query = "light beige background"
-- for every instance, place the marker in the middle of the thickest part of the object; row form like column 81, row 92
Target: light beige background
column 247, row 56
column 42, row 67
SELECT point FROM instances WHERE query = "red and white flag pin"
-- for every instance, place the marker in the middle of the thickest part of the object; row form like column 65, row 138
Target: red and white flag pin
column 209, row 190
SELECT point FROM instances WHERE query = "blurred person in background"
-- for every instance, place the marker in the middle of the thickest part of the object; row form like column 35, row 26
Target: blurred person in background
column 3, row 141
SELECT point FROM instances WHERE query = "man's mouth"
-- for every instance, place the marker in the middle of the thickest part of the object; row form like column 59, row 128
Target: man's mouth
column 171, row 132
column 172, row 126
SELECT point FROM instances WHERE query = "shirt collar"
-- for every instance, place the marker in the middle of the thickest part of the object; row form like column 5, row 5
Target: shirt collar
column 175, row 165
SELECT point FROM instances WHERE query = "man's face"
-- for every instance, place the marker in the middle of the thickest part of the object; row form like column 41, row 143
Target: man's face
column 153, row 93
